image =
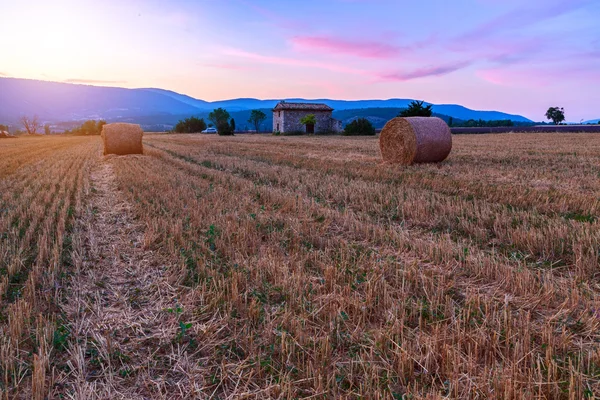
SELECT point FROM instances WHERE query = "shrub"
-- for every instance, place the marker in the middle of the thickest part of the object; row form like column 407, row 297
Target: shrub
column 224, row 128
column 89, row 127
column 360, row 126
column 190, row 125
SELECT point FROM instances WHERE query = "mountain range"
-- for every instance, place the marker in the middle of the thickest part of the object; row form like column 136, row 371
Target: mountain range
column 55, row 102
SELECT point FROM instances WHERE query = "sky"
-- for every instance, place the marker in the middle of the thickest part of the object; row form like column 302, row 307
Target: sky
column 514, row 56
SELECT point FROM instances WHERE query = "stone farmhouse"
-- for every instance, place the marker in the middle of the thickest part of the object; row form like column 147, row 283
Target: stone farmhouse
column 287, row 116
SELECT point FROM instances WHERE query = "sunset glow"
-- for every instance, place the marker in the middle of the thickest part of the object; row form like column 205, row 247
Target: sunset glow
column 511, row 56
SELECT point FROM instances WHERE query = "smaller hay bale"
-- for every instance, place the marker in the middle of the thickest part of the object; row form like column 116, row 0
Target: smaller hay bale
column 415, row 140
column 122, row 139
column 6, row 135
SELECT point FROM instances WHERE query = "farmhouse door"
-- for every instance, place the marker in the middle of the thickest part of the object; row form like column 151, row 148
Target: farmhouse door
column 310, row 128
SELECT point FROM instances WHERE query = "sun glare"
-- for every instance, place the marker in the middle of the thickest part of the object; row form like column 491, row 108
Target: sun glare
column 52, row 41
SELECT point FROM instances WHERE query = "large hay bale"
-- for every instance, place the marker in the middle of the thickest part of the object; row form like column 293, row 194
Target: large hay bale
column 122, row 139
column 415, row 140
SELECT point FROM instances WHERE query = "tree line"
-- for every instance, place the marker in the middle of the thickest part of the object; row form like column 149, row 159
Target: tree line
column 220, row 120
column 88, row 128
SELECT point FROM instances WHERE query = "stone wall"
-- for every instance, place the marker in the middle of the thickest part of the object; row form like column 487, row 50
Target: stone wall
column 336, row 125
column 289, row 121
column 278, row 121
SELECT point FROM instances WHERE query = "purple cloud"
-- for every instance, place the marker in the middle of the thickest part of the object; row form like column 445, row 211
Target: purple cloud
column 425, row 72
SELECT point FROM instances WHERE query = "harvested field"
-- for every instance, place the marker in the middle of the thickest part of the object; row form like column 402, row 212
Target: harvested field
column 300, row 267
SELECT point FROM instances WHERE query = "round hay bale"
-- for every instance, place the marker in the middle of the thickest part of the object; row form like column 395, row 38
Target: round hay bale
column 6, row 135
column 415, row 140
column 122, row 139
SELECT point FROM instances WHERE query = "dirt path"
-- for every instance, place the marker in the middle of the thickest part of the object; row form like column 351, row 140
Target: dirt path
column 122, row 308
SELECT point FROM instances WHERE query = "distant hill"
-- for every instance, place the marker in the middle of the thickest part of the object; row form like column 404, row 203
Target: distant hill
column 593, row 121
column 53, row 101
column 63, row 102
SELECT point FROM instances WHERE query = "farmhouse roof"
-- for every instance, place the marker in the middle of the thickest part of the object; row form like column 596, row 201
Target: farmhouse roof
column 302, row 106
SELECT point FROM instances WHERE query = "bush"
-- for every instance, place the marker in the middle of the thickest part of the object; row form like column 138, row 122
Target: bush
column 190, row 125
column 360, row 126
column 224, row 128
column 88, row 128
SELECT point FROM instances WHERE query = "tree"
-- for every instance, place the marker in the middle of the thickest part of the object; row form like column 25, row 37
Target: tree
column 257, row 117
column 47, row 130
column 232, row 124
column 309, row 121
column 31, row 125
column 556, row 114
column 416, row 109
column 100, row 124
column 219, row 117
column 3, row 128
column 360, row 126
column 89, row 128
column 190, row 125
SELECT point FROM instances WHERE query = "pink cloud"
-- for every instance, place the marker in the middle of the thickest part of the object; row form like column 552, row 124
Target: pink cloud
column 294, row 62
column 375, row 76
column 425, row 72
column 362, row 49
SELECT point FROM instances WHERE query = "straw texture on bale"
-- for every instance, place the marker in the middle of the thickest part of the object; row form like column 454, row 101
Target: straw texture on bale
column 122, row 139
column 415, row 140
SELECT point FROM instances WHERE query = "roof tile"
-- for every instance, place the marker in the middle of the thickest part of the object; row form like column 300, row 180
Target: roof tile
column 302, row 106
